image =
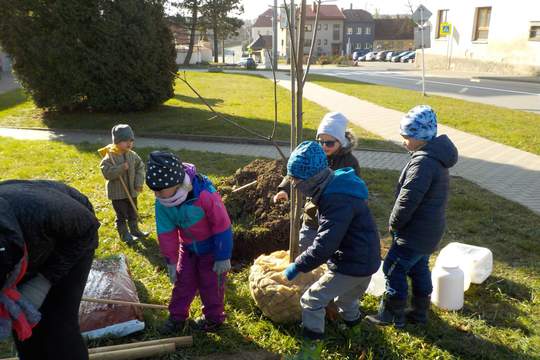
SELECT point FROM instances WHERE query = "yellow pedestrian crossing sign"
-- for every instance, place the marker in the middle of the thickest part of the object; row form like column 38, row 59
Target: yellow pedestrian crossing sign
column 445, row 29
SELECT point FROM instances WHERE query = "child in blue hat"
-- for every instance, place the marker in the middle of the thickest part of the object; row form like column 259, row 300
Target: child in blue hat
column 417, row 221
column 347, row 240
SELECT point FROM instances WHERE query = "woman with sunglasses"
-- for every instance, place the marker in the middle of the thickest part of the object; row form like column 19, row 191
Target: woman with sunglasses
column 337, row 143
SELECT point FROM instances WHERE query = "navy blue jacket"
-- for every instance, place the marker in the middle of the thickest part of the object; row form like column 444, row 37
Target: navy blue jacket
column 418, row 217
column 347, row 237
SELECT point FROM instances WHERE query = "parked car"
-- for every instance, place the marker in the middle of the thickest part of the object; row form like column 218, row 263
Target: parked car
column 359, row 53
column 397, row 57
column 381, row 55
column 409, row 56
column 389, row 55
column 248, row 63
column 364, row 57
column 371, row 56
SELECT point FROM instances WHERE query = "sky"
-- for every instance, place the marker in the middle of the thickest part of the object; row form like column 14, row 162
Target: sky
column 253, row 8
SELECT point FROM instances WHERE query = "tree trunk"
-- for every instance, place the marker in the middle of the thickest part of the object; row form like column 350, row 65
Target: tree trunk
column 223, row 49
column 216, row 42
column 194, row 15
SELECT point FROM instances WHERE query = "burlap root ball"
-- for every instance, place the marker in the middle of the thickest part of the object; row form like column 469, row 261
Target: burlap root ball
column 278, row 298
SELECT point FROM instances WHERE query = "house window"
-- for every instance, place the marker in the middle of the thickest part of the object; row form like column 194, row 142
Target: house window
column 359, row 30
column 319, row 27
column 349, row 31
column 442, row 16
column 368, row 46
column 368, row 30
column 308, row 28
column 481, row 27
column 318, row 42
column 337, row 32
column 325, row 27
column 307, row 43
column 534, row 33
column 325, row 42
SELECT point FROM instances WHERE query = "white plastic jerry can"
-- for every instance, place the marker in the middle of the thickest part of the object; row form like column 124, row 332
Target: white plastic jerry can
column 475, row 261
column 377, row 285
column 448, row 286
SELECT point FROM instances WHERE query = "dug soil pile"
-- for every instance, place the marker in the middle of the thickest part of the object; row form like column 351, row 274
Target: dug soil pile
column 260, row 226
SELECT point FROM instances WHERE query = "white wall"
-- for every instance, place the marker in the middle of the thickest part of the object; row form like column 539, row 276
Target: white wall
column 325, row 33
column 508, row 40
column 256, row 31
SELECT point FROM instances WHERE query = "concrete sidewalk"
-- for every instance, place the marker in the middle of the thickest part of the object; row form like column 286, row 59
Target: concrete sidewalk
column 511, row 173
column 508, row 180
column 8, row 83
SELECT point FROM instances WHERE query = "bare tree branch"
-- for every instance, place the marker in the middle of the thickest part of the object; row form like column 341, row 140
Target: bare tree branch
column 293, row 41
column 313, row 39
column 275, row 95
column 229, row 121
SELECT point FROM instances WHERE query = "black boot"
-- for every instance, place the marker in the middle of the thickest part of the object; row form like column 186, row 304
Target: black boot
column 418, row 313
column 123, row 231
column 172, row 327
column 135, row 231
column 391, row 312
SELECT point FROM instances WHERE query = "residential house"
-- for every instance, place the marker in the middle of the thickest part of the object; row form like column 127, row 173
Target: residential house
column 486, row 36
column 202, row 50
column 394, row 33
column 357, row 30
column 329, row 34
column 263, row 25
column 262, row 49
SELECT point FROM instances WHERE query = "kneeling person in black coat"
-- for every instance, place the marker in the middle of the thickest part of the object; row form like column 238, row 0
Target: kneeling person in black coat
column 347, row 240
column 48, row 235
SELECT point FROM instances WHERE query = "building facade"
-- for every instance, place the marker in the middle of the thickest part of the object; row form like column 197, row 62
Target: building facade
column 394, row 33
column 358, row 30
column 329, row 33
column 262, row 26
column 485, row 35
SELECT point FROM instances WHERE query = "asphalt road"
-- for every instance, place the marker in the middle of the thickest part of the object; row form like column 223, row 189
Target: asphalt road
column 511, row 94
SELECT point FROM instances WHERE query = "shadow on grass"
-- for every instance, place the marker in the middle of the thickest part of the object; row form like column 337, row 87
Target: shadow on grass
column 196, row 100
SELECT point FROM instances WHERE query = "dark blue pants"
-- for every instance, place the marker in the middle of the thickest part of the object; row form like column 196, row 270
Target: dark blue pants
column 401, row 262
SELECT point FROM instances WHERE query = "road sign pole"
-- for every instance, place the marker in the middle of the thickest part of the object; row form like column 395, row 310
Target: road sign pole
column 423, row 58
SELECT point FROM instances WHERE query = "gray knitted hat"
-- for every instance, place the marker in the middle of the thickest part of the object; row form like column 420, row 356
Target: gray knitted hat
column 122, row 132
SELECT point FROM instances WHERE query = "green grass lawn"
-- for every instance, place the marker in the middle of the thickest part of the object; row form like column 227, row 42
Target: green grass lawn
column 515, row 128
column 500, row 319
column 247, row 99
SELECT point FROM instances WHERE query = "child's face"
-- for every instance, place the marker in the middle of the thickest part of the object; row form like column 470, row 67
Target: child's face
column 412, row 144
column 167, row 192
column 125, row 145
column 329, row 144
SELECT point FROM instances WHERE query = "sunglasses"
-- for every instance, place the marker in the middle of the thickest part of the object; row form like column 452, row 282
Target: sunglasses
column 329, row 143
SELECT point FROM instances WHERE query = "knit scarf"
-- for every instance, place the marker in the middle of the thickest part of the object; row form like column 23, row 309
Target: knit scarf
column 315, row 185
column 180, row 196
column 15, row 312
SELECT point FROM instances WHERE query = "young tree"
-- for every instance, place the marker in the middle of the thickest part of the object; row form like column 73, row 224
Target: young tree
column 216, row 13
column 98, row 55
column 229, row 29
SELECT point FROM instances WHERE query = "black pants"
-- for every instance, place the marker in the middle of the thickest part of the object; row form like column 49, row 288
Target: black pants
column 124, row 210
column 58, row 335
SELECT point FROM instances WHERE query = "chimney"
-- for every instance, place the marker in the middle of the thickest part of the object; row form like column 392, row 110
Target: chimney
column 351, row 6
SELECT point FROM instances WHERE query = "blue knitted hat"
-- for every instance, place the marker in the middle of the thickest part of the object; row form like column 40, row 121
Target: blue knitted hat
column 307, row 160
column 419, row 123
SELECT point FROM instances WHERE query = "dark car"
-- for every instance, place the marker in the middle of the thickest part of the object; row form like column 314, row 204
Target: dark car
column 248, row 63
column 409, row 57
column 396, row 58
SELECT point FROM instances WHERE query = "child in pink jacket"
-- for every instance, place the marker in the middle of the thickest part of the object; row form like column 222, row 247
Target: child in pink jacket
column 195, row 237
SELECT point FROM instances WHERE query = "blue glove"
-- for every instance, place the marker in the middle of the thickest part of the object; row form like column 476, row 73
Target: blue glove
column 291, row 272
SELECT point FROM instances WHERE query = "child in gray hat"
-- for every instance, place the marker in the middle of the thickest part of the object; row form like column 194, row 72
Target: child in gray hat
column 124, row 172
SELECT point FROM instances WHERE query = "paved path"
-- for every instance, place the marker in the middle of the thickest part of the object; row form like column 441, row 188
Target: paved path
column 8, row 82
column 370, row 159
column 506, row 171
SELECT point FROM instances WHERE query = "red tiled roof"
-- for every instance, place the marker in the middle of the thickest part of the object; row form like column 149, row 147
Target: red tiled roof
column 327, row 12
column 265, row 19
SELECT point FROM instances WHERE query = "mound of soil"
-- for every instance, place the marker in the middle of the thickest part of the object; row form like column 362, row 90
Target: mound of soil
column 259, row 225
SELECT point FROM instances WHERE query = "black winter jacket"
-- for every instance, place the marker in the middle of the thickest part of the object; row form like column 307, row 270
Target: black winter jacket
column 418, row 217
column 347, row 237
column 56, row 222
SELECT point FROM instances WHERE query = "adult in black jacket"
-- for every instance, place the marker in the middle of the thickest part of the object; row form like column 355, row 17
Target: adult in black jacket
column 338, row 144
column 56, row 225
column 418, row 220
column 347, row 240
